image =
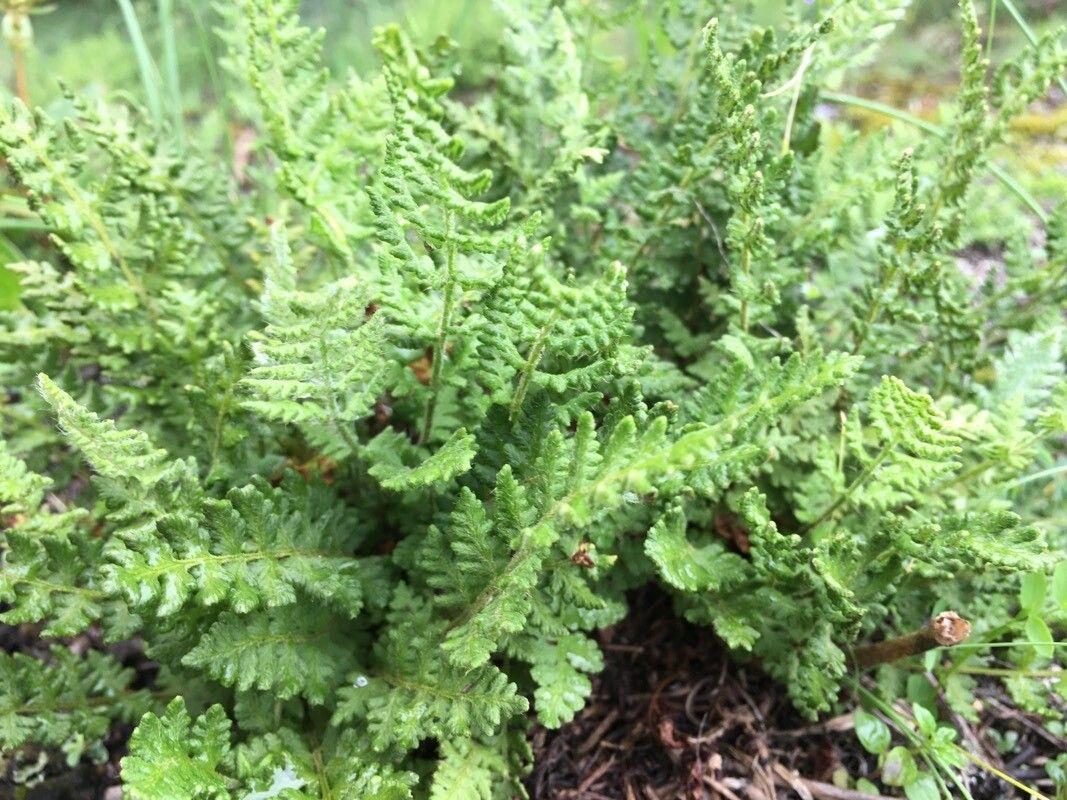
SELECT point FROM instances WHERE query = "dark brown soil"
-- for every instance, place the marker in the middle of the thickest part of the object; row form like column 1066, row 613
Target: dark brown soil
column 673, row 716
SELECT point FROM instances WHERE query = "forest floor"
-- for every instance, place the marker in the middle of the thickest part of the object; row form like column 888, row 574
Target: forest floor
column 672, row 716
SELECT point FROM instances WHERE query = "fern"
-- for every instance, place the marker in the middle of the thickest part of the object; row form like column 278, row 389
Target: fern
column 321, row 136
column 284, row 653
column 519, row 347
column 319, row 361
column 468, row 769
column 912, row 450
column 389, row 450
column 173, row 756
column 67, row 702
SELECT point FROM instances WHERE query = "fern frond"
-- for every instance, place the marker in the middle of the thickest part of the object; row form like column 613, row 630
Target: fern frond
column 117, row 454
column 287, row 651
column 913, row 449
column 173, row 757
column 560, row 669
column 688, row 567
column 256, row 549
column 323, row 138
column 416, row 692
column 320, row 360
column 396, row 462
column 68, row 702
column 467, row 770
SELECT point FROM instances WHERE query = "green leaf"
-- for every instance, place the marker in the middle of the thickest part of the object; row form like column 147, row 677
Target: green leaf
column 9, row 282
column 898, row 767
column 254, row 549
column 399, row 465
column 114, row 453
column 1059, row 584
column 559, row 670
column 686, row 566
column 466, row 770
column 1032, row 591
column 866, row 786
column 873, row 734
column 924, row 787
column 68, row 702
column 319, row 361
column 416, row 692
column 926, row 721
column 1037, row 630
column 288, row 651
column 174, row 758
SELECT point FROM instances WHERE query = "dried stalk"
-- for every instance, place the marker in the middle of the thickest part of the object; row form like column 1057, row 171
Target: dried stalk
column 945, row 630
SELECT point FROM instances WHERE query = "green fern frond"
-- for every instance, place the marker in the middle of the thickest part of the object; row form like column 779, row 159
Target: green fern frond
column 322, row 137
column 287, row 651
column 415, row 691
column 467, row 770
column 117, row 454
column 256, row 549
column 396, row 462
column 320, row 359
column 174, row 757
column 67, row 702
column 689, row 567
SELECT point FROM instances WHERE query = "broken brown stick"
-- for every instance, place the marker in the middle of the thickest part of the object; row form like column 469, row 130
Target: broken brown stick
column 945, row 630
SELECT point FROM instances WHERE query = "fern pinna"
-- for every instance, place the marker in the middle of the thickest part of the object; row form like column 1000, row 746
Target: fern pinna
column 377, row 447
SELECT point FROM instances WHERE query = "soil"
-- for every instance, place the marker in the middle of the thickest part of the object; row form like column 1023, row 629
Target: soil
column 674, row 716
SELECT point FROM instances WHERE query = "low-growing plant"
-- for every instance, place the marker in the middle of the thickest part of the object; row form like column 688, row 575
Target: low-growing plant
column 381, row 436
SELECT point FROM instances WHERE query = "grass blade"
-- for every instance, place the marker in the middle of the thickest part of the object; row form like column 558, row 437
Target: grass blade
column 171, row 73
column 147, row 67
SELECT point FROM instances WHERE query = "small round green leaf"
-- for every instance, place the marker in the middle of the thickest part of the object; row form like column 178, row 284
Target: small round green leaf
column 924, row 719
column 924, row 787
column 1037, row 631
column 873, row 734
column 865, row 786
column 1032, row 591
column 899, row 767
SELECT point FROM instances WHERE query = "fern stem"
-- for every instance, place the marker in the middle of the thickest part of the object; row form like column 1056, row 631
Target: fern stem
column 335, row 412
column 323, row 777
column 95, row 701
column 746, row 270
column 89, row 594
column 442, row 329
column 532, row 361
column 1045, row 473
column 874, row 311
column 852, row 487
column 216, row 439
